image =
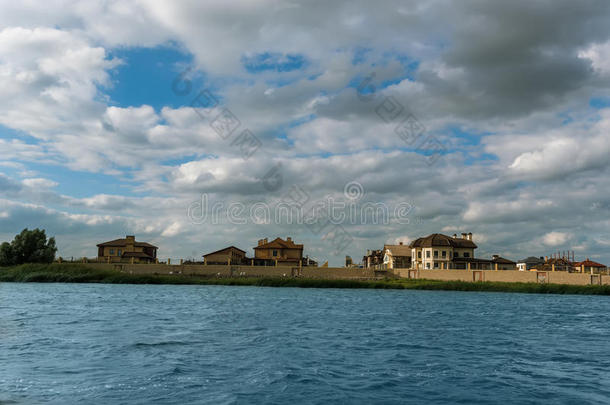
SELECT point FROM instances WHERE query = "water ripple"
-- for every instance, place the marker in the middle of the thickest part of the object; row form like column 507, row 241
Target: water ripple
column 100, row 344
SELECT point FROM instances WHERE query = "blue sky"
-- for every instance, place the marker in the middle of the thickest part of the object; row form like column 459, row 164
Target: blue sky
column 95, row 141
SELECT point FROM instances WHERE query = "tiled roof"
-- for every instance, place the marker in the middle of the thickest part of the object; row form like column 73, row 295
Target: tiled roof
column 398, row 250
column 440, row 240
column 279, row 243
column 589, row 263
column 502, row 260
column 227, row 248
column 123, row 242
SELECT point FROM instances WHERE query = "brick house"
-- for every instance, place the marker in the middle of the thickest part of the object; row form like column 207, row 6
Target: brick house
column 589, row 266
column 280, row 251
column 227, row 255
column 127, row 250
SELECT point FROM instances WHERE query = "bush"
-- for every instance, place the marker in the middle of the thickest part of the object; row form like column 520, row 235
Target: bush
column 28, row 247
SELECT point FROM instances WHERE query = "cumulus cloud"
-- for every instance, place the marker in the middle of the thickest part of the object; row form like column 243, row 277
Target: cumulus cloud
column 505, row 87
column 556, row 238
column 599, row 55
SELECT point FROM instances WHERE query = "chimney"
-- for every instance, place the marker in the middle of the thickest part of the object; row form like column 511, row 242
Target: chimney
column 464, row 235
column 265, row 240
column 260, row 242
column 469, row 235
column 288, row 239
column 455, row 236
column 130, row 238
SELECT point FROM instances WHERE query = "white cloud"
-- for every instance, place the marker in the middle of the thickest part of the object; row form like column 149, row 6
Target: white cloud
column 516, row 87
column 556, row 238
column 599, row 55
column 39, row 183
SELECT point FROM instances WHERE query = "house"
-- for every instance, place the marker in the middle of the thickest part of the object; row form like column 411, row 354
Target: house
column 501, row 263
column 556, row 264
column 372, row 259
column 228, row 255
column 397, row 256
column 589, row 266
column 529, row 263
column 438, row 251
column 278, row 252
column 127, row 250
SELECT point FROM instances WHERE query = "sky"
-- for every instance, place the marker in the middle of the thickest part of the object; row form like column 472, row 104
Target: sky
column 193, row 125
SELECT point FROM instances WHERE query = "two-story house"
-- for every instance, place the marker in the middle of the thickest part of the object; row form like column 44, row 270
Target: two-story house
column 397, row 256
column 126, row 250
column 280, row 251
column 438, row 251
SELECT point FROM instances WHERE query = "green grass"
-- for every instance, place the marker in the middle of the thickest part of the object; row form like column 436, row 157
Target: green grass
column 78, row 273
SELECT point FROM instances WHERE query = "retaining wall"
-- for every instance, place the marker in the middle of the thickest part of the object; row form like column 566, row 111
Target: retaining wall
column 507, row 276
column 239, row 271
column 555, row 277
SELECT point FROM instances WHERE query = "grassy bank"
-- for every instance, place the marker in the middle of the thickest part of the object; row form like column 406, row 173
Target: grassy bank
column 74, row 273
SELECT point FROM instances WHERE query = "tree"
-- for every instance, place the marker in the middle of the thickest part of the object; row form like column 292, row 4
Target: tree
column 28, row 247
column 6, row 254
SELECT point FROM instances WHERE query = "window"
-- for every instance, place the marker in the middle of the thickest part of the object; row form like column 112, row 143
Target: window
column 436, row 254
column 427, row 265
column 274, row 253
column 466, row 254
column 444, row 254
column 419, row 255
column 436, row 265
column 456, row 254
column 111, row 251
column 119, row 252
column 428, row 254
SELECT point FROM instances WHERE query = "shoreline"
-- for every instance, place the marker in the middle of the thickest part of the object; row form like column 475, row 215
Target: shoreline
column 58, row 273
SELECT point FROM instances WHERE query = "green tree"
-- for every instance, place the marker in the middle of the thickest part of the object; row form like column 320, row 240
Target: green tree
column 6, row 254
column 28, row 247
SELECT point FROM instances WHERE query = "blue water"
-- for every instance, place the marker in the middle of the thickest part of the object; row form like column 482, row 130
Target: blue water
column 129, row 344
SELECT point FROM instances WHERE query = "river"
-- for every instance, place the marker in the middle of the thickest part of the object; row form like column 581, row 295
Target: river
column 143, row 344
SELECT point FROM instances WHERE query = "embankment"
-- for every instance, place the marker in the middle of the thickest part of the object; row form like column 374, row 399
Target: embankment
column 81, row 273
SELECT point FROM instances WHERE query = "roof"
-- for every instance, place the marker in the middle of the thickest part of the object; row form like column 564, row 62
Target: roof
column 440, row 240
column 559, row 261
column 588, row 263
column 279, row 243
column 123, row 242
column 223, row 249
column 502, row 260
column 398, row 250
